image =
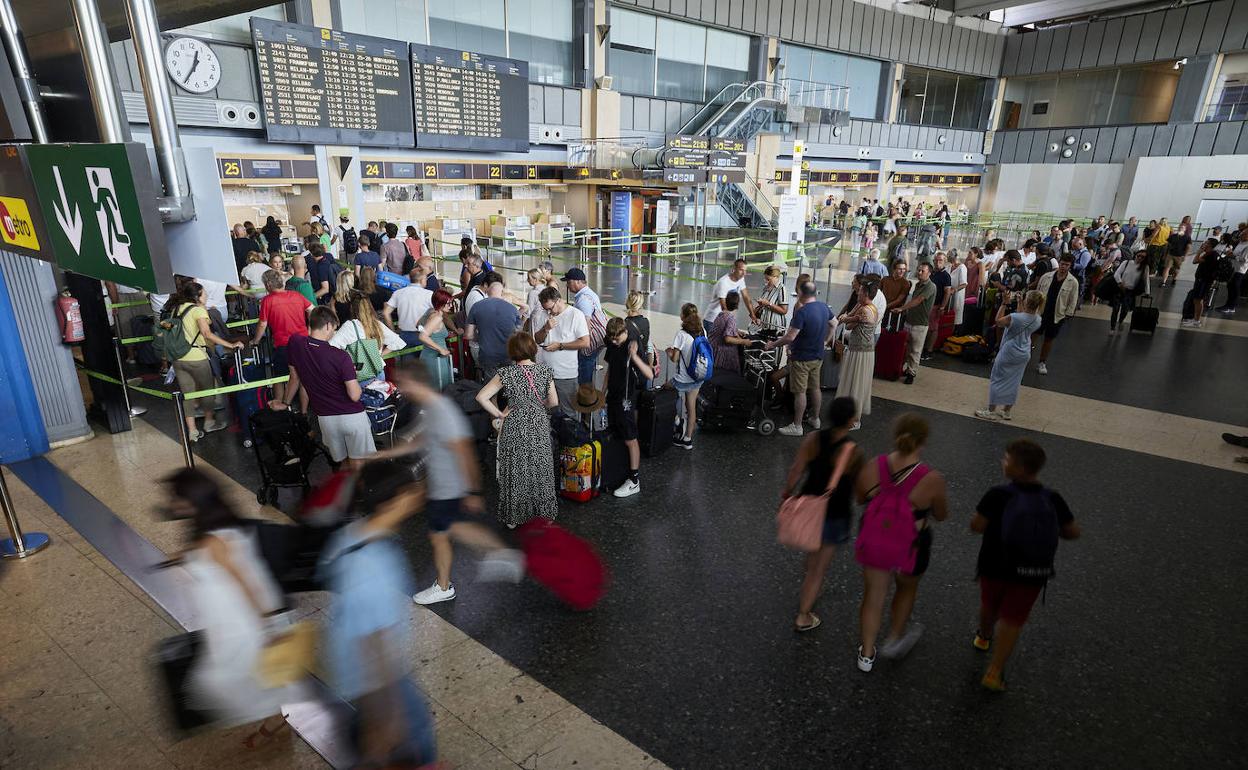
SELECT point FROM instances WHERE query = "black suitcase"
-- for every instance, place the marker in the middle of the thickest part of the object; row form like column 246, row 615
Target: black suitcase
column 656, row 416
column 144, row 353
column 726, row 401
column 830, row 372
column 1144, row 317
column 972, row 320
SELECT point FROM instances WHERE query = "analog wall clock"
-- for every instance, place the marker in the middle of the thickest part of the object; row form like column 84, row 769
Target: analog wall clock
column 193, row 65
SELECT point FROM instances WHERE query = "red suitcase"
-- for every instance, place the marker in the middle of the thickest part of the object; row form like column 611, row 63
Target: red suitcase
column 944, row 330
column 890, row 354
column 564, row 563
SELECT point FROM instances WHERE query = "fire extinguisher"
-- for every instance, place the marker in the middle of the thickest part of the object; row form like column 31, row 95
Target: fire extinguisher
column 69, row 314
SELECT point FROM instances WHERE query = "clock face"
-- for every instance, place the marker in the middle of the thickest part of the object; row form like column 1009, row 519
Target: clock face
column 192, row 65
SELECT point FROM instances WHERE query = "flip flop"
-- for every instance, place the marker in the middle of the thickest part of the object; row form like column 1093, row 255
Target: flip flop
column 815, row 622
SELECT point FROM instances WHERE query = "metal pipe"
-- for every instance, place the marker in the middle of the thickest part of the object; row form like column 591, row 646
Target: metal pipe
column 97, row 62
column 19, row 61
column 145, row 32
column 179, row 408
column 18, row 545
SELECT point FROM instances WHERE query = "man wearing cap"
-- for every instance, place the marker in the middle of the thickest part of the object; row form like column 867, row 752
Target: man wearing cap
column 586, row 300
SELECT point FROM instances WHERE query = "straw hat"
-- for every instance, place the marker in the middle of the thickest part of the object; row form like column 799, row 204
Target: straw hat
column 588, row 399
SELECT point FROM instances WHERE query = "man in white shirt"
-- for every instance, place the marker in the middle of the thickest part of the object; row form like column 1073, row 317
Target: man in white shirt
column 411, row 302
column 731, row 281
column 561, row 331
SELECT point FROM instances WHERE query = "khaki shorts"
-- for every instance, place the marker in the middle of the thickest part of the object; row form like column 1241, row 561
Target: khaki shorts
column 1176, row 263
column 804, row 375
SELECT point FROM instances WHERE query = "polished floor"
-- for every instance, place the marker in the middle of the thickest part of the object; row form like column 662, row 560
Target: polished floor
column 690, row 661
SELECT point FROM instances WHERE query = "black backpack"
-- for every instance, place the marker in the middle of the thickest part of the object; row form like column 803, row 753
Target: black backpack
column 1225, row 270
column 1029, row 532
column 350, row 241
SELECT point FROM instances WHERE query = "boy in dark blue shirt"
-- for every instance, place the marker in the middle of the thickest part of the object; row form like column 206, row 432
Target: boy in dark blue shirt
column 1021, row 522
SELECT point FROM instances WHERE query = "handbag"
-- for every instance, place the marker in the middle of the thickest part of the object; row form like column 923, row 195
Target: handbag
column 288, row 655
column 176, row 656
column 366, row 357
column 799, row 522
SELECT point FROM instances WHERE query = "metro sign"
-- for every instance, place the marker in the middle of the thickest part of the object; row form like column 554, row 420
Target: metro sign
column 16, row 226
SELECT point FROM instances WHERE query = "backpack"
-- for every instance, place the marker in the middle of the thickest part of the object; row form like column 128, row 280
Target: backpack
column 597, row 333
column 169, row 340
column 1029, row 532
column 350, row 241
column 887, row 538
column 701, row 366
column 1226, row 268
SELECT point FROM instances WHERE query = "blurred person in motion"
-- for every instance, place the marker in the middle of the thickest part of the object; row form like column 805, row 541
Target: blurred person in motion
column 526, row 483
column 441, row 440
column 823, row 454
column 234, row 595
column 899, row 479
column 368, row 644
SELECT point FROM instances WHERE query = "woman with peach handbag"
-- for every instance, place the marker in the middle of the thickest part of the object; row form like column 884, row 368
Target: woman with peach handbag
column 819, row 517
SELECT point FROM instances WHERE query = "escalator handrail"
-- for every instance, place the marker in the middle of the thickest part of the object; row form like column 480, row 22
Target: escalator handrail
column 766, row 90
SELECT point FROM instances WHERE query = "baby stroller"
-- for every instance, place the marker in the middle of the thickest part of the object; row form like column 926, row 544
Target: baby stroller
column 285, row 450
column 381, row 402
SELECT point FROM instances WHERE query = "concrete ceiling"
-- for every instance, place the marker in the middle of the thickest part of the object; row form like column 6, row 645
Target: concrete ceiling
column 1019, row 12
column 37, row 17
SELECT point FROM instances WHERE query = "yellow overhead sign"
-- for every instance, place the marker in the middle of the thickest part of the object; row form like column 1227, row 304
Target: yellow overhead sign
column 16, row 226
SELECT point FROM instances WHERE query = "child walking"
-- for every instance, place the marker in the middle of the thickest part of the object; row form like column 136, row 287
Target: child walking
column 1021, row 522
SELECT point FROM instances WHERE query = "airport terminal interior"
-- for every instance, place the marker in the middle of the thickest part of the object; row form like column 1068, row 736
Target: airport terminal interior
column 538, row 383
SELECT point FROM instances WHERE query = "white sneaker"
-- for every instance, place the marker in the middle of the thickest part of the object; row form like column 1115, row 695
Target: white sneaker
column 1042, row 368
column 506, row 565
column 815, row 424
column 864, row 663
column 791, row 430
column 627, row 489
column 1187, row 322
column 434, row 594
column 986, row 414
column 901, row 646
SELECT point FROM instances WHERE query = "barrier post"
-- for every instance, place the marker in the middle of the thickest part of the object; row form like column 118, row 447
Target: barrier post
column 179, row 408
column 19, row 545
column 134, row 411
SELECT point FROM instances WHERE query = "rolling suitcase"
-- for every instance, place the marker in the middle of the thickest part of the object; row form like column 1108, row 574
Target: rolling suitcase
column 830, row 372
column 945, row 327
column 656, row 416
column 580, row 472
column 972, row 319
column 726, row 401
column 1144, row 317
column 890, row 354
column 246, row 402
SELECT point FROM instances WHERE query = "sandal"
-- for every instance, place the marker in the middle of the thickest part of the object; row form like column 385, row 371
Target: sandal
column 995, row 683
column 815, row 622
column 262, row 736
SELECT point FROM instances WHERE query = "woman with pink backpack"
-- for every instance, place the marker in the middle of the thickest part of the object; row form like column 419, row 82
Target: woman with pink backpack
column 895, row 538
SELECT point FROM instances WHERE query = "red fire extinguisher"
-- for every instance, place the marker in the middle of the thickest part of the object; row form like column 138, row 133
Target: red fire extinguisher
column 70, row 315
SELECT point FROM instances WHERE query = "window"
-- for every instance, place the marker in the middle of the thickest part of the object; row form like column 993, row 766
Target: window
column 1113, row 96
column 396, row 19
column 935, row 98
column 631, row 59
column 657, row 56
column 540, row 32
column 865, row 77
column 681, row 50
column 470, row 25
column 1230, row 91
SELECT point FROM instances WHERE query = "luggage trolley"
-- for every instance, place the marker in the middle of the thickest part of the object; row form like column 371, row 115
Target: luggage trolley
column 382, row 410
column 759, row 364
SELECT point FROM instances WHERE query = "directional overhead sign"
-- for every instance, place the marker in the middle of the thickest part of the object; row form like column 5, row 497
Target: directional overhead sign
column 100, row 206
column 21, row 225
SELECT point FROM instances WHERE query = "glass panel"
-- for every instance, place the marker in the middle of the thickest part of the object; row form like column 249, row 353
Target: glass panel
column 541, row 34
column 632, row 29
column 1145, row 94
column 681, row 49
column 913, row 89
column 469, row 25
column 938, row 101
column 970, row 103
column 828, row 67
column 1230, row 93
column 796, row 61
column 236, row 27
column 633, row 71
column 1082, row 98
column 727, row 60
column 863, row 78
column 1035, row 99
column 395, row 19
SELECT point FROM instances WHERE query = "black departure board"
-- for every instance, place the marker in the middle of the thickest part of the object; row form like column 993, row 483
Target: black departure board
column 470, row 101
column 322, row 86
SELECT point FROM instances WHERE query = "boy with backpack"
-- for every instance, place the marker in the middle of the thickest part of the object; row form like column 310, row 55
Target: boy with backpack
column 1021, row 522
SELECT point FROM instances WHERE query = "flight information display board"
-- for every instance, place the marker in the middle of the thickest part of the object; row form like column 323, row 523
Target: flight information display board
column 469, row 101
column 322, row 86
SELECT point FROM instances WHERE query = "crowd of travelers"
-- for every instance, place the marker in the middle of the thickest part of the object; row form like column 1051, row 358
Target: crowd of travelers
column 536, row 366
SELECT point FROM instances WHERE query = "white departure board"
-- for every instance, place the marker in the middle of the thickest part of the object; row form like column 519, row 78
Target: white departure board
column 322, row 86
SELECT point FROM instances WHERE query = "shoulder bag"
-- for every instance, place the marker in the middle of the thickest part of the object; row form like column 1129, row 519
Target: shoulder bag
column 799, row 522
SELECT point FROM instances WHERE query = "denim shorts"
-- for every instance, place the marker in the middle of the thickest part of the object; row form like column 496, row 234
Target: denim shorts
column 836, row 530
column 686, row 387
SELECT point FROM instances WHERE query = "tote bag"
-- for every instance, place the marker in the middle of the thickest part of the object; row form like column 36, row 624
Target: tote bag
column 799, row 522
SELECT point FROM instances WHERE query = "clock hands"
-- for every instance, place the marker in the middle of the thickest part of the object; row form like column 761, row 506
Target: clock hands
column 194, row 66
